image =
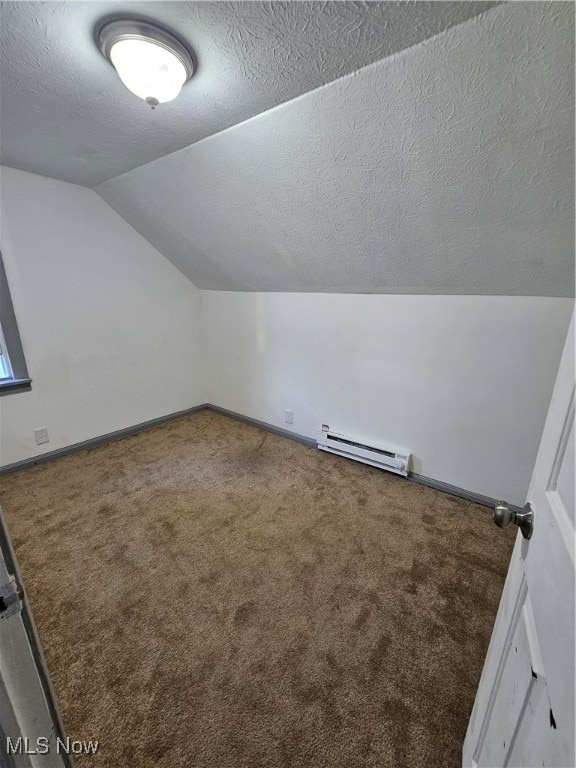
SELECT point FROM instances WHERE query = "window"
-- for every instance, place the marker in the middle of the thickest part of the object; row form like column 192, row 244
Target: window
column 13, row 372
column 5, row 367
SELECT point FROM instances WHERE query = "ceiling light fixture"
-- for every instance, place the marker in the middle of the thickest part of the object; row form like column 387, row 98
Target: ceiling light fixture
column 150, row 61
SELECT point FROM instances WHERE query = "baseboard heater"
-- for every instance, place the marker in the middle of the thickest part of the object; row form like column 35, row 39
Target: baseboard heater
column 376, row 455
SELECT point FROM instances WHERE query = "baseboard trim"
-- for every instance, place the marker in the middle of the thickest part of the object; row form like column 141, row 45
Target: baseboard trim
column 453, row 490
column 438, row 485
column 310, row 442
column 100, row 440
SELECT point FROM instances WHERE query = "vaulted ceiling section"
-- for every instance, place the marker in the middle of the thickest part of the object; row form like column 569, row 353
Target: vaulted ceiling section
column 65, row 114
column 391, row 147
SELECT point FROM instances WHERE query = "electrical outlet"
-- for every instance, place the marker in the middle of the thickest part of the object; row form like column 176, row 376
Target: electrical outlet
column 41, row 436
column 289, row 417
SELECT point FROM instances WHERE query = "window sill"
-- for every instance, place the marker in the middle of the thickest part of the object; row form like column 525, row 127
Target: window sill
column 15, row 385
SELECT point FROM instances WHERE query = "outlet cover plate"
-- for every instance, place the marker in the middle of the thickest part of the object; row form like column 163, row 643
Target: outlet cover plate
column 41, row 436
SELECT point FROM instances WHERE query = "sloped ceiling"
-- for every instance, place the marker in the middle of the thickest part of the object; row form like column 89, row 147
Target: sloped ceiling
column 66, row 114
column 447, row 168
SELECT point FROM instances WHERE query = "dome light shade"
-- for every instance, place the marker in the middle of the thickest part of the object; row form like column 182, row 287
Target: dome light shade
column 151, row 62
column 148, row 70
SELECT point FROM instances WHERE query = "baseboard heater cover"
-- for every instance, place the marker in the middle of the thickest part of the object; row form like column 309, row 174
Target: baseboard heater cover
column 371, row 453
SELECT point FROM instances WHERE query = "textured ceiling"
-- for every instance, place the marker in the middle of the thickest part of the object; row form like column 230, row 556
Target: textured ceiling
column 66, row 114
column 448, row 168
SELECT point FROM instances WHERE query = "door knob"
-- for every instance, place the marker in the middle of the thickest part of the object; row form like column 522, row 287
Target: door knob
column 524, row 519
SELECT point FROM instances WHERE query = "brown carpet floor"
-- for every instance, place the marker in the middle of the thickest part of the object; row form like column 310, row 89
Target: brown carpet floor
column 212, row 596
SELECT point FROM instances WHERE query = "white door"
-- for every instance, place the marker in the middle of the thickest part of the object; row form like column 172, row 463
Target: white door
column 524, row 710
column 29, row 724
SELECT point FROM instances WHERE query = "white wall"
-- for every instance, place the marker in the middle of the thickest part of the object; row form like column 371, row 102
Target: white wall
column 112, row 336
column 463, row 382
column 110, row 329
